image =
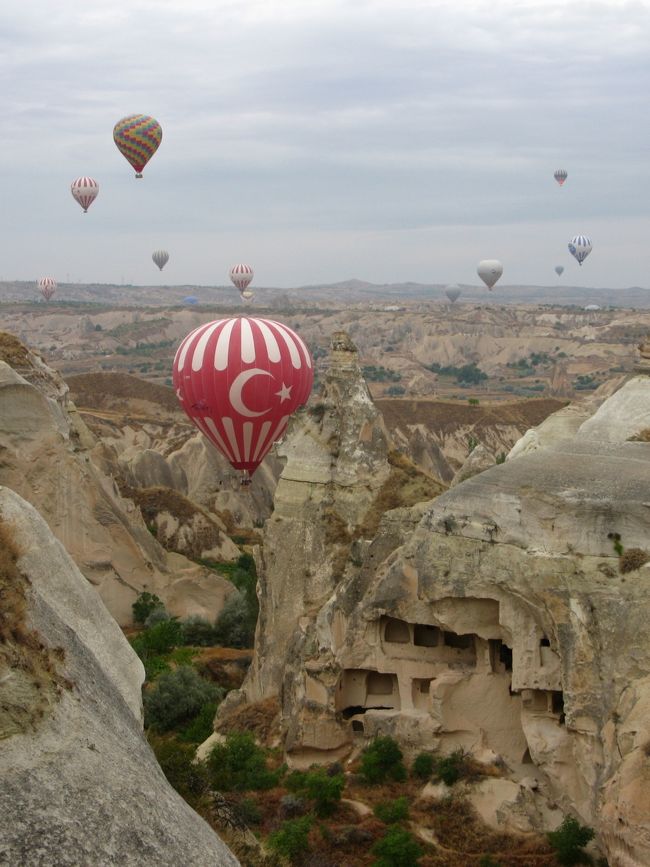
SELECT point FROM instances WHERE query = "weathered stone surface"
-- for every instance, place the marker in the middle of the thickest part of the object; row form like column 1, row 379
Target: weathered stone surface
column 477, row 461
column 623, row 416
column 80, row 785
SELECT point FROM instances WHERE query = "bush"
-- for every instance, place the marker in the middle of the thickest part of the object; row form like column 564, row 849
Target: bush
column 239, row 765
column 177, row 696
column 488, row 861
column 631, row 559
column 292, row 806
column 569, row 840
column 320, row 787
column 291, row 839
column 144, row 605
column 177, row 761
column 202, row 726
column 235, row 626
column 451, row 768
column 382, row 760
column 158, row 615
column 198, row 632
column 157, row 640
column 422, row 767
column 390, row 812
column 397, row 848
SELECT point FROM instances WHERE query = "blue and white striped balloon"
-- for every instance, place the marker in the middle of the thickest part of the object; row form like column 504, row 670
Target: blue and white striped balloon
column 580, row 248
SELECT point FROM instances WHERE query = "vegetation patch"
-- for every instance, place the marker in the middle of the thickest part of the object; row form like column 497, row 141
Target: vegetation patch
column 29, row 671
column 105, row 390
column 632, row 558
column 13, row 352
column 260, row 718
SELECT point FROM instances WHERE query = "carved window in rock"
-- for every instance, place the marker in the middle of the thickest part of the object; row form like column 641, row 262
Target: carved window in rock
column 460, row 642
column 420, row 689
column 500, row 656
column 396, row 631
column 425, row 635
column 380, row 684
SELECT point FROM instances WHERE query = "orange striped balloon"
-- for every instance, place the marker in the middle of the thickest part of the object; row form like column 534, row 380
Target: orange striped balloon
column 137, row 138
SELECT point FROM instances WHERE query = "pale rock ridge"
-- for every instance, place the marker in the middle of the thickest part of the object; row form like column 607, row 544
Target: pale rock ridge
column 478, row 460
column 43, row 458
column 81, row 786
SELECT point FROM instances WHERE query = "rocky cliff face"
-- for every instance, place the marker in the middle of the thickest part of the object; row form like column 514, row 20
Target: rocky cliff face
column 47, row 455
column 497, row 618
column 80, row 784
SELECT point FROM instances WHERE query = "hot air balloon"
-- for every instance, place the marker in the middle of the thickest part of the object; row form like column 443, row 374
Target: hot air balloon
column 137, row 138
column 453, row 293
column 190, row 299
column 559, row 270
column 247, row 295
column 489, row 270
column 560, row 176
column 161, row 258
column 85, row 191
column 239, row 380
column 241, row 276
column 47, row 287
column 580, row 248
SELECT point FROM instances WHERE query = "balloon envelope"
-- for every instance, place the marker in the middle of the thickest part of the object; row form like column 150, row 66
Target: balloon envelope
column 190, row 299
column 559, row 270
column 47, row 287
column 580, row 247
column 247, row 295
column 241, row 275
column 239, row 380
column 489, row 270
column 453, row 293
column 161, row 258
column 84, row 190
column 137, row 137
column 560, row 176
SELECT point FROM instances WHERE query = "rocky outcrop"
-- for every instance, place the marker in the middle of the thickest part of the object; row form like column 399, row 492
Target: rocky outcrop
column 44, row 457
column 80, row 785
column 478, row 460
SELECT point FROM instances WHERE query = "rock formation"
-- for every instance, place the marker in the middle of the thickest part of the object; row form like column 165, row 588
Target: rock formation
column 46, row 456
column 80, row 785
column 497, row 617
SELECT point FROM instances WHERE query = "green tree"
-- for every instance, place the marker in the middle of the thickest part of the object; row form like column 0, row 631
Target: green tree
column 451, row 768
column 390, row 812
column 185, row 774
column 423, row 766
column 239, row 765
column 397, row 848
column 235, row 626
column 176, row 697
column 144, row 605
column 320, row 787
column 569, row 841
column 382, row 760
column 291, row 840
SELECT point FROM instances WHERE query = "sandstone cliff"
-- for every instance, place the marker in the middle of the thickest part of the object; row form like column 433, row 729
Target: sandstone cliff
column 497, row 618
column 80, row 785
column 47, row 456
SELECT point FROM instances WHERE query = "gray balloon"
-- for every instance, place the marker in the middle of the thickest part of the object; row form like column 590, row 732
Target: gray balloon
column 161, row 258
column 489, row 270
column 453, row 293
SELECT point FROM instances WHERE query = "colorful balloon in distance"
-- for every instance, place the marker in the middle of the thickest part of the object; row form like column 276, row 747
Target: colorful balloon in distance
column 137, row 137
column 489, row 270
column 580, row 247
column 559, row 270
column 239, row 380
column 190, row 299
column 453, row 293
column 560, row 176
column 241, row 276
column 247, row 295
column 160, row 258
column 47, row 287
column 84, row 190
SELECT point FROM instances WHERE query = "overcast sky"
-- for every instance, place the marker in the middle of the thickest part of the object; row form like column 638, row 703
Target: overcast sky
column 319, row 140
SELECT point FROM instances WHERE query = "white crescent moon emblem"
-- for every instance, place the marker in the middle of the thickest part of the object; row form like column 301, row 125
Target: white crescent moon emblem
column 234, row 395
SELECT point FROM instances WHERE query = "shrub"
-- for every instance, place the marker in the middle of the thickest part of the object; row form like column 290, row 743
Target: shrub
column 177, row 696
column 291, row 839
column 451, row 768
column 158, row 615
column 397, row 848
column 569, row 840
column 198, row 632
column 320, row 787
column 144, row 605
column 248, row 811
column 292, row 806
column 488, row 861
column 239, row 765
column 202, row 726
column 422, row 767
column 382, row 760
column 390, row 812
column 631, row 559
column 235, row 626
column 501, row 458
column 177, row 761
column 157, row 640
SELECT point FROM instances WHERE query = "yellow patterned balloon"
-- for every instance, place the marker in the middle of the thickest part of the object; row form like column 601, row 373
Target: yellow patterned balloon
column 137, row 138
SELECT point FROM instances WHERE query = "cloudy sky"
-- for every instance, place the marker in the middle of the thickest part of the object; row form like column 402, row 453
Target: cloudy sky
column 320, row 140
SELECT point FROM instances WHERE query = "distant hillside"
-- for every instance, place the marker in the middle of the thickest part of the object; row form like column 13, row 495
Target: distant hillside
column 107, row 390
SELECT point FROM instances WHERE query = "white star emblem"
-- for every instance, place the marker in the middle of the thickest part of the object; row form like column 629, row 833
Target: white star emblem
column 284, row 393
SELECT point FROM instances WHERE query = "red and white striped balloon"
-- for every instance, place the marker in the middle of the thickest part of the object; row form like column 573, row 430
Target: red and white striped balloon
column 85, row 191
column 47, row 287
column 241, row 275
column 239, row 380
